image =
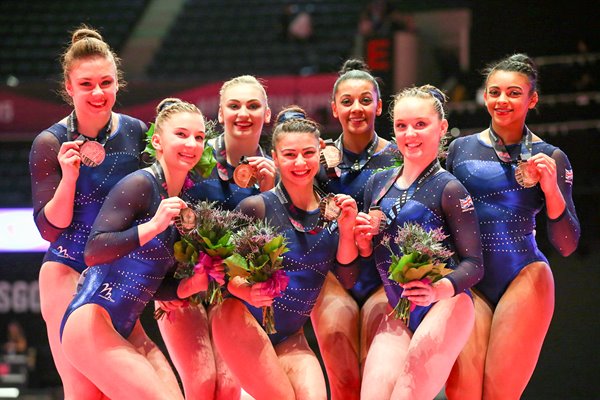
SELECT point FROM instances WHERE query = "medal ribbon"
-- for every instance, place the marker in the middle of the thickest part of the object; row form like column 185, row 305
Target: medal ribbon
column 502, row 152
column 223, row 168
column 73, row 134
column 157, row 170
column 360, row 163
column 284, row 199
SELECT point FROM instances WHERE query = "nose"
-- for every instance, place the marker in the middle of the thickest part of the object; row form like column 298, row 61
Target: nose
column 300, row 160
column 97, row 90
column 356, row 105
column 410, row 131
column 244, row 111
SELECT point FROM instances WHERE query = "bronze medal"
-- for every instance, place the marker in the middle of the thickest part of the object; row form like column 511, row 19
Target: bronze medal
column 329, row 210
column 331, row 156
column 244, row 175
column 526, row 175
column 185, row 222
column 378, row 219
column 92, row 153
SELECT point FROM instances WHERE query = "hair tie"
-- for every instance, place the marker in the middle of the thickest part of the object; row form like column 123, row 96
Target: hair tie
column 286, row 116
column 436, row 95
column 167, row 104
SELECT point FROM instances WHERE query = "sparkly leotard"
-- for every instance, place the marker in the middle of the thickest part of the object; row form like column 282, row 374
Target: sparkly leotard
column 219, row 186
column 507, row 211
column 352, row 181
column 123, row 149
column 124, row 276
column 311, row 257
column 440, row 201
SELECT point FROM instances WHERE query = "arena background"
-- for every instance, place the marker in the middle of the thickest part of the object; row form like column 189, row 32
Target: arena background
column 188, row 48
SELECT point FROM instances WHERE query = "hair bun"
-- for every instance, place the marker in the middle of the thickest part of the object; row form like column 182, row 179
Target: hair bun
column 83, row 33
column 354, row 64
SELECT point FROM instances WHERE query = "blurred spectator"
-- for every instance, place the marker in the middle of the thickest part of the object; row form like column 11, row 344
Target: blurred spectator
column 297, row 27
column 16, row 342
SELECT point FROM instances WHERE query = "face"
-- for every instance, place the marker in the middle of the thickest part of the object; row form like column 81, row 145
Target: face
column 296, row 155
column 92, row 84
column 243, row 110
column 418, row 129
column 508, row 100
column 356, row 106
column 181, row 140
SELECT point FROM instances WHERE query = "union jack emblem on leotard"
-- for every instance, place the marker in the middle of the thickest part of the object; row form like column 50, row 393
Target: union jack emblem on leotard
column 466, row 204
column 569, row 176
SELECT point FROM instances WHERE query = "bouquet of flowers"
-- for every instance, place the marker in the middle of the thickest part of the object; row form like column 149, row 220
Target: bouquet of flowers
column 258, row 258
column 203, row 248
column 207, row 161
column 423, row 256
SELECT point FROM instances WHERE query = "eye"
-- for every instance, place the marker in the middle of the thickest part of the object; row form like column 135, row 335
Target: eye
column 400, row 125
column 366, row 100
column 233, row 106
column 254, row 106
column 515, row 93
column 200, row 138
column 493, row 92
column 346, row 102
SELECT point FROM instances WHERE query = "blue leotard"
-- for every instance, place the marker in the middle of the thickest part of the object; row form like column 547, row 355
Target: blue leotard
column 123, row 275
column 352, row 182
column 219, row 186
column 123, row 150
column 310, row 258
column 440, row 201
column 507, row 211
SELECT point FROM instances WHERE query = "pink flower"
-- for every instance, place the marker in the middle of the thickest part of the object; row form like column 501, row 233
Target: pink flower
column 276, row 284
column 188, row 183
column 213, row 266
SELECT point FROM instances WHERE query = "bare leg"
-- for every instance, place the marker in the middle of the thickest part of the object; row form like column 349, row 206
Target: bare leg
column 466, row 378
column 434, row 348
column 186, row 336
column 371, row 314
column 335, row 322
column 519, row 326
column 385, row 359
column 115, row 365
column 302, row 367
column 248, row 352
column 57, row 288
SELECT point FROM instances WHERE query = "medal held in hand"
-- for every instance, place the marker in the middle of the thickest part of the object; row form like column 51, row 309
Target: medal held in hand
column 92, row 153
column 185, row 222
column 244, row 174
column 526, row 175
column 378, row 219
column 329, row 210
column 330, row 158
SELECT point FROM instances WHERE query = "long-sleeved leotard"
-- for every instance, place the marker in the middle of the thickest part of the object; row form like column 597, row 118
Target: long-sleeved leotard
column 507, row 210
column 123, row 150
column 219, row 186
column 310, row 258
column 352, row 181
column 124, row 276
column 441, row 201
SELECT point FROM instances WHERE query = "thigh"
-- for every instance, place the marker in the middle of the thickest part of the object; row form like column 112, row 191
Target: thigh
column 466, row 377
column 519, row 326
column 113, row 363
column 187, row 338
column 57, row 284
column 385, row 358
column 302, row 367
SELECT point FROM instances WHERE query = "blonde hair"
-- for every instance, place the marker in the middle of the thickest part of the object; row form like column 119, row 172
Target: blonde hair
column 169, row 107
column 244, row 80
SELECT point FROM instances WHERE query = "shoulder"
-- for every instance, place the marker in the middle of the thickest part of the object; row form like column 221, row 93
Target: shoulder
column 132, row 123
column 254, row 205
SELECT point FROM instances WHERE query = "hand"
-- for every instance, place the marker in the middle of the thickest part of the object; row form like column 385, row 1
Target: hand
column 255, row 295
column 265, row 172
column 423, row 294
column 194, row 284
column 171, row 305
column 167, row 210
column 349, row 211
column 545, row 166
column 363, row 234
column 70, row 159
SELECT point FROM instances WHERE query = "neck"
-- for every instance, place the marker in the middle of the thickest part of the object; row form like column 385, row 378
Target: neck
column 91, row 128
column 303, row 197
column 357, row 143
column 509, row 134
column 174, row 178
column 410, row 172
column 238, row 147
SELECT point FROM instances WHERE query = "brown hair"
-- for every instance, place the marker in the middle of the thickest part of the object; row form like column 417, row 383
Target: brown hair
column 293, row 119
column 438, row 98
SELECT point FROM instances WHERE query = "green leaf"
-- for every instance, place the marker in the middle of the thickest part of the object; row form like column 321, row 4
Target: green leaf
column 206, row 163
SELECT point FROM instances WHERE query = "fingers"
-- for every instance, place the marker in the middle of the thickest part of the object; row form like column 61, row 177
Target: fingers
column 419, row 293
column 260, row 296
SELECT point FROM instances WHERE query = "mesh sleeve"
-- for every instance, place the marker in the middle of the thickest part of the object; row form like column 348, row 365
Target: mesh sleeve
column 463, row 226
column 114, row 234
column 564, row 231
column 253, row 206
column 45, row 176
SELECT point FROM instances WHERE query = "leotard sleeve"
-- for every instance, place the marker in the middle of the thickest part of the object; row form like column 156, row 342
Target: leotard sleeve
column 45, row 176
column 463, row 226
column 114, row 233
column 564, row 231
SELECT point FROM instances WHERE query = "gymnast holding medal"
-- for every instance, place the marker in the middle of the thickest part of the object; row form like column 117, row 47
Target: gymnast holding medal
column 243, row 169
column 347, row 164
column 74, row 163
column 512, row 175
